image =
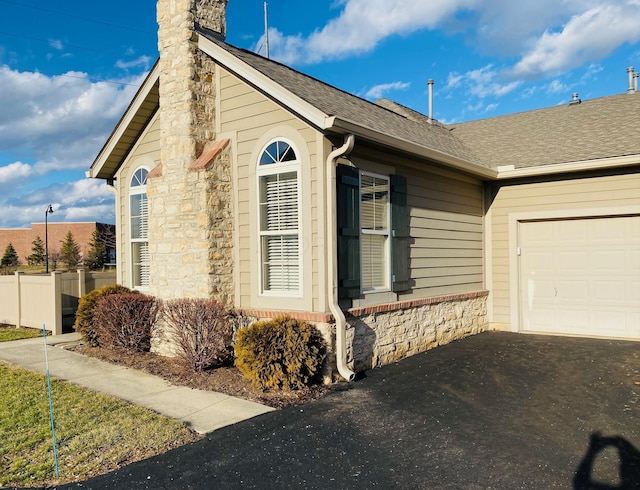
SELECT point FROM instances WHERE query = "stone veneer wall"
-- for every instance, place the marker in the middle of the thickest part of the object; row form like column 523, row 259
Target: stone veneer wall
column 190, row 218
column 383, row 334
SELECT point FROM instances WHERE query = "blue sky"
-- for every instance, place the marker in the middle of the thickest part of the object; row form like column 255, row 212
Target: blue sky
column 68, row 70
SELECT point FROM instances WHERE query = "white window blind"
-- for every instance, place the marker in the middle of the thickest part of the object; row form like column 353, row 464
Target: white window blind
column 279, row 219
column 139, row 220
column 374, row 223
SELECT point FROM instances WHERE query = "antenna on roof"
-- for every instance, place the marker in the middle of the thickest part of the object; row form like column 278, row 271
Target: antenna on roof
column 266, row 28
column 430, row 83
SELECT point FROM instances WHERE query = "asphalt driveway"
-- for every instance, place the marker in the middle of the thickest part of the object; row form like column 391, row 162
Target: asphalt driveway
column 497, row 410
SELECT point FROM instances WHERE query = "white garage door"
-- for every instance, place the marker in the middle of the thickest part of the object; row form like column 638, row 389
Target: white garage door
column 581, row 277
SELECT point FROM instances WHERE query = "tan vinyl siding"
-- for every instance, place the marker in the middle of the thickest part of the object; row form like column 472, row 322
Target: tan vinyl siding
column 145, row 153
column 562, row 195
column 250, row 115
column 446, row 227
column 447, row 230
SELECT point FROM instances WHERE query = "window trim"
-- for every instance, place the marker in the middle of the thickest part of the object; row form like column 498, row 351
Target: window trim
column 276, row 168
column 134, row 190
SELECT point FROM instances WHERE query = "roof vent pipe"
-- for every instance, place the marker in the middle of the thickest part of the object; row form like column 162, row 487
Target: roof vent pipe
column 635, row 81
column 430, row 83
column 630, row 75
column 575, row 99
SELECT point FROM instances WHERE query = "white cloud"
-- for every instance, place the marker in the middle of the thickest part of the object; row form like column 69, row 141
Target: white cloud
column 57, row 124
column 64, row 118
column 378, row 91
column 592, row 71
column 141, row 61
column 556, row 86
column 545, row 36
column 482, row 82
column 361, row 25
column 14, row 171
column 56, row 44
column 587, row 36
column 83, row 200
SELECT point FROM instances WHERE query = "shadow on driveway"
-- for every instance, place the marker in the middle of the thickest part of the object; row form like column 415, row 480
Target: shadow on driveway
column 497, row 410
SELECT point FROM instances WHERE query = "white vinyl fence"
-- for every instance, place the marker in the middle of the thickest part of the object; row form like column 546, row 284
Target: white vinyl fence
column 33, row 300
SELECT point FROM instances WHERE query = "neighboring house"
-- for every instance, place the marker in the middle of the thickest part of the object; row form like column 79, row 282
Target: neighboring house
column 22, row 238
column 241, row 179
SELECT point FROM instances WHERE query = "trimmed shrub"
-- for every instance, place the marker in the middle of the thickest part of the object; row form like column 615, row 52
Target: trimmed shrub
column 86, row 309
column 126, row 321
column 281, row 353
column 201, row 331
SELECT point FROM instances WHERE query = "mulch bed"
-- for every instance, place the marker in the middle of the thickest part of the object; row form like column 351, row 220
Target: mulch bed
column 225, row 379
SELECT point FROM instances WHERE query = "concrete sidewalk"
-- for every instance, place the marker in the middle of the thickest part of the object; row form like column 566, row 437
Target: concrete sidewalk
column 202, row 411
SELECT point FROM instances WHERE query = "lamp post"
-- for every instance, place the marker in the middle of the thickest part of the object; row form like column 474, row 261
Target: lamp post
column 46, row 237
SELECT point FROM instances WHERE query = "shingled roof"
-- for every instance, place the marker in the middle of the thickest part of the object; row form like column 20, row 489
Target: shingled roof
column 335, row 102
column 590, row 130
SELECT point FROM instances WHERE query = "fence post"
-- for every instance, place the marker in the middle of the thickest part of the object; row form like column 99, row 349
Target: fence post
column 56, row 280
column 82, row 283
column 19, row 298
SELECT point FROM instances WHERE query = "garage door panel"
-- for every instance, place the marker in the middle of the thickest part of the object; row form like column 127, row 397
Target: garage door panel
column 633, row 291
column 570, row 231
column 572, row 291
column 575, row 261
column 581, row 276
column 609, row 260
column 575, row 319
column 609, row 292
column 542, row 261
column 608, row 230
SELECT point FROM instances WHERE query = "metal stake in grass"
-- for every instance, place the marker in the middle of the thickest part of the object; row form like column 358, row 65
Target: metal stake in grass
column 53, row 424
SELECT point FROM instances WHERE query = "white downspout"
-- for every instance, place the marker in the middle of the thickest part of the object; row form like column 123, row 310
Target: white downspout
column 332, row 279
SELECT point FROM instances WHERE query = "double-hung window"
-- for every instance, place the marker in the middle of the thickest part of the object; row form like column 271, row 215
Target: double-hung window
column 374, row 226
column 139, row 223
column 373, row 232
column 279, row 219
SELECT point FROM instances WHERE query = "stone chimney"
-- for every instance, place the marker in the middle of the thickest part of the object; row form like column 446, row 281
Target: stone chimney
column 182, row 221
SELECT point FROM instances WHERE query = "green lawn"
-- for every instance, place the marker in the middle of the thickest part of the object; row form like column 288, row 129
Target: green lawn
column 96, row 433
column 8, row 333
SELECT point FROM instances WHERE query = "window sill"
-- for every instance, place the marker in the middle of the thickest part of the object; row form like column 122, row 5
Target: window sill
column 370, row 298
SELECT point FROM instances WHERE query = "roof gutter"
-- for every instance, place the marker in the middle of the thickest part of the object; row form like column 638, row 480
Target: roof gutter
column 332, row 279
column 510, row 172
column 343, row 126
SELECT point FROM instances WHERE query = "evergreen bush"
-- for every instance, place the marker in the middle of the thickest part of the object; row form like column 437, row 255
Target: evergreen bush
column 37, row 256
column 97, row 254
column 282, row 353
column 201, row 331
column 70, row 251
column 10, row 257
column 126, row 321
column 86, row 309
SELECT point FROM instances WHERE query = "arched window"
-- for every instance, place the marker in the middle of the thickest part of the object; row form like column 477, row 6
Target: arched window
column 279, row 213
column 139, row 213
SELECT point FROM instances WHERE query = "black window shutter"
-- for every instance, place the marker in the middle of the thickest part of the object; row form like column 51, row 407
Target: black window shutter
column 400, row 273
column 348, row 197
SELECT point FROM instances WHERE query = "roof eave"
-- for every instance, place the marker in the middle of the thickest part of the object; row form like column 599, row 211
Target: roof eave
column 569, row 167
column 343, row 126
column 97, row 169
